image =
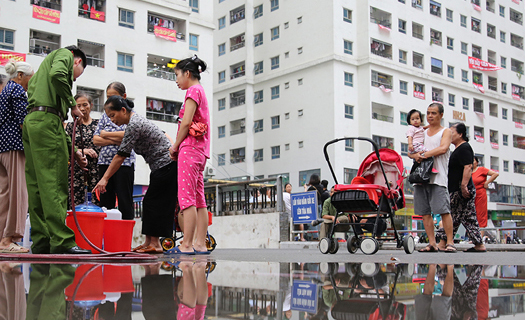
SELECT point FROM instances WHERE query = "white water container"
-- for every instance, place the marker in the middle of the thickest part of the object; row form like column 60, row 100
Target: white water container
column 113, row 214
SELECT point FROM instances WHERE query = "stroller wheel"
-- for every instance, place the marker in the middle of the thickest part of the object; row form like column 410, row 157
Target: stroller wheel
column 369, row 269
column 408, row 270
column 328, row 268
column 210, row 242
column 334, row 247
column 409, row 244
column 369, row 246
column 351, row 269
column 167, row 243
column 352, row 244
column 325, row 245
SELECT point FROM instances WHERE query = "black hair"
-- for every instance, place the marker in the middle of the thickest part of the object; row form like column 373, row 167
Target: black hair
column 411, row 112
column 324, row 183
column 77, row 53
column 440, row 107
column 194, row 65
column 117, row 86
column 116, row 103
column 314, row 180
column 286, row 184
column 462, row 130
column 476, row 158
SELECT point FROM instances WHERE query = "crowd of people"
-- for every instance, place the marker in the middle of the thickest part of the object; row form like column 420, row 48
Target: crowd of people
column 34, row 157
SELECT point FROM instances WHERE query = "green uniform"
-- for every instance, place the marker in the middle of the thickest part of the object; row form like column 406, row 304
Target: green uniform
column 46, row 150
column 330, row 210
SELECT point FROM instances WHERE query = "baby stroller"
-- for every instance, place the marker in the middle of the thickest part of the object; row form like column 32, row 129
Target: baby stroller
column 170, row 242
column 378, row 191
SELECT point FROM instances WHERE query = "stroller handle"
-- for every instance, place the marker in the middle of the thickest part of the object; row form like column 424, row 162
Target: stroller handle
column 376, row 150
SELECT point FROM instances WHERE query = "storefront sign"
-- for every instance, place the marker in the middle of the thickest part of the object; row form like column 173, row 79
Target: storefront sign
column 165, row 33
column 46, row 14
column 304, row 207
column 304, row 296
column 5, row 56
column 478, row 64
column 458, row 115
column 97, row 15
column 419, row 95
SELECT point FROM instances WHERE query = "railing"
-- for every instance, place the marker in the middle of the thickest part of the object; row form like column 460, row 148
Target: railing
column 161, row 74
column 238, row 131
column 517, row 69
column 90, row 61
column 519, row 146
column 234, row 102
column 237, row 46
column 490, row 9
column 417, row 35
column 493, row 114
column 492, row 60
column 159, row 116
column 494, row 167
column 245, row 303
column 238, row 74
column 383, row 53
column 87, row 14
column 516, row 19
column 381, row 117
column 137, row 205
column 384, row 23
column 518, row 120
column 47, row 4
column 436, row 41
column 381, row 83
column 478, row 109
column 518, row 45
column 40, row 50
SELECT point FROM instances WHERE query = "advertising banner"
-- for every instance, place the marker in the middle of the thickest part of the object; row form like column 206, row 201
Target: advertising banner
column 478, row 64
column 46, row 14
column 165, row 33
column 7, row 55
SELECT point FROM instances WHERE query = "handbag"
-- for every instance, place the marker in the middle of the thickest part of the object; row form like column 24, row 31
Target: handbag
column 421, row 171
column 198, row 129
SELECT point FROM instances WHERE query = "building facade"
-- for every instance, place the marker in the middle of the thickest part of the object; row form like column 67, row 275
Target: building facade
column 134, row 42
column 291, row 75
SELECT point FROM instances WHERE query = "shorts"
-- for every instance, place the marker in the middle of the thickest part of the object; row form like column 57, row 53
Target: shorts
column 431, row 199
column 191, row 165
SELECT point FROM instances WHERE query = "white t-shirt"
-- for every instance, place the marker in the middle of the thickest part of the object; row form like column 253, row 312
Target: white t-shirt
column 287, row 203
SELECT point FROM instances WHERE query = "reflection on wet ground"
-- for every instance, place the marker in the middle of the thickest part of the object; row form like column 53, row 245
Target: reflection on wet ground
column 195, row 289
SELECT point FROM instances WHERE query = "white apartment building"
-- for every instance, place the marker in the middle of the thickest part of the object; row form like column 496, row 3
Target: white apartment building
column 132, row 41
column 291, row 75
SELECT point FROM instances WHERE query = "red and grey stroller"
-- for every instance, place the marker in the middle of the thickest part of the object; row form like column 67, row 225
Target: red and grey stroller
column 377, row 190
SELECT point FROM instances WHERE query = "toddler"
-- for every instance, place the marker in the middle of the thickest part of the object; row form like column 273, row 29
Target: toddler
column 415, row 132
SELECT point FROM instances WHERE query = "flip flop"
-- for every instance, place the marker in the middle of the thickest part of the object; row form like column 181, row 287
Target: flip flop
column 201, row 252
column 149, row 249
column 142, row 246
column 176, row 250
column 428, row 249
column 14, row 248
column 474, row 250
column 449, row 248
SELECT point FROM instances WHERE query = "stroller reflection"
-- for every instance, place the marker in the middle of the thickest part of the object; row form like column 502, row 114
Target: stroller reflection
column 362, row 291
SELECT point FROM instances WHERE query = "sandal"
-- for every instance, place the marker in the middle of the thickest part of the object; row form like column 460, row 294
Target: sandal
column 428, row 248
column 14, row 248
column 449, row 248
column 473, row 249
column 142, row 246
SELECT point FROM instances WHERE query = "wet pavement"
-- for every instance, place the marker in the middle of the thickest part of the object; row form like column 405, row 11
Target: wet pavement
column 271, row 284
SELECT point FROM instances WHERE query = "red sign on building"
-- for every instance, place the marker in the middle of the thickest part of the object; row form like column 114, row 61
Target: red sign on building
column 165, row 33
column 46, row 14
column 97, row 15
column 419, row 95
column 478, row 64
column 7, row 55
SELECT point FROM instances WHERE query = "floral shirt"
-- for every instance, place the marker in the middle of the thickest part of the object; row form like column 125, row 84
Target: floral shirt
column 13, row 104
column 108, row 152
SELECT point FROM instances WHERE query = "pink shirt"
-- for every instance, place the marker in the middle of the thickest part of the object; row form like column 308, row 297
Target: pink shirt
column 417, row 134
column 202, row 114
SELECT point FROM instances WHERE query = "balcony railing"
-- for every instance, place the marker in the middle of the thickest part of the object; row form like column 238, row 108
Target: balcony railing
column 384, row 23
column 384, row 53
column 517, row 69
column 436, row 41
column 47, row 4
column 515, row 119
column 381, row 83
column 492, row 60
column 95, row 62
column 161, row 74
column 237, row 46
column 494, row 167
column 237, row 131
column 417, row 35
column 516, row 44
column 234, row 102
column 516, row 19
column 152, row 115
column 490, row 9
column 43, row 51
column 238, row 74
column 382, row 117
column 493, row 87
column 493, row 114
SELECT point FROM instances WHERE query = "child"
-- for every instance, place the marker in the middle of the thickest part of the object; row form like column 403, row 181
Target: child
column 416, row 133
column 192, row 149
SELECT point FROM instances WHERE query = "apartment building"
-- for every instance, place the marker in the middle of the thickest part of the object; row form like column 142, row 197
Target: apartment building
column 135, row 42
column 291, row 75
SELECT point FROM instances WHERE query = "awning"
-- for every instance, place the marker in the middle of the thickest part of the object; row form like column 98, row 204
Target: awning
column 436, row 63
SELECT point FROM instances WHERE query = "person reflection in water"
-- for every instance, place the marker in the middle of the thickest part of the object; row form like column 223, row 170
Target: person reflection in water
column 465, row 295
column 192, row 290
column 430, row 305
column 12, row 293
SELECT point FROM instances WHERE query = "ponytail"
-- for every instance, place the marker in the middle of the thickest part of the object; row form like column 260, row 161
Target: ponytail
column 194, row 65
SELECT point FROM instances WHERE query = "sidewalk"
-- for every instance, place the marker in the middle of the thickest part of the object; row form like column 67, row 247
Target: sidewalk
column 392, row 246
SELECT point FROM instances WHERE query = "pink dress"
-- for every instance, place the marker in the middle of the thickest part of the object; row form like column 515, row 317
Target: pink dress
column 418, row 138
column 193, row 152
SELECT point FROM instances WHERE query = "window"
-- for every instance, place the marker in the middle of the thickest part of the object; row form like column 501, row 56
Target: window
column 126, row 18
column 464, row 48
column 301, row 144
column 287, row 115
column 94, row 10
column 276, row 122
column 287, row 55
column 435, row 37
column 222, row 23
column 222, row 132
column 450, row 15
column 463, row 20
column 505, row 166
column 491, row 31
column 347, row 46
column 436, row 66
column 222, row 49
column 493, row 109
column 451, row 100
column 403, row 118
column 417, row 60
column 221, row 159
column 237, row 98
column 476, row 52
column 349, row 145
column 465, row 103
column 475, row 25
column 464, row 75
column 160, row 110
column 450, row 72
column 194, row 42
column 479, row 134
column 450, row 43
column 274, row 62
column 478, row 105
column 402, row 26
column 95, row 56
column 7, row 39
column 402, row 1
column 221, row 103
column 258, row 155
column 504, row 113
column 435, row 8
column 125, row 62
column 40, row 43
column 417, row 30
column 275, row 92
column 516, row 66
column 98, row 97
column 417, row 4
column 300, row 50
column 258, row 11
column 505, row 140
column 237, row 14
column 477, row 78
column 194, row 5
column 349, row 111
column 258, row 39
column 493, row 136
column 258, row 97
column 502, row 36
column 274, row 5
column 349, row 174
column 258, row 125
column 222, row 76
column 276, row 152
column 404, row 149
column 419, row 90
column 516, row 41
column 504, row 88
column 299, row 20
column 503, row 62
column 502, row 11
column 403, row 87
column 349, row 79
column 287, row 85
column 287, row 146
column 347, row 15
column 516, row 16
column 237, row 155
column 403, row 56
column 258, row 67
column 275, row 33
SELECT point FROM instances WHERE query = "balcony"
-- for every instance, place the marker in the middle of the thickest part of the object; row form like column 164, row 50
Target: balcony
column 490, row 6
column 518, row 141
column 516, row 66
column 237, row 127
column 237, row 155
column 478, row 106
column 493, row 84
column 381, row 79
column 476, row 52
column 516, row 16
column 417, row 60
column 94, row 10
column 518, row 91
column 94, row 53
column 237, row 14
column 161, row 67
column 435, row 8
column 491, row 31
column 519, row 167
column 417, row 31
column 382, row 117
column 238, row 70
column 380, row 17
column 381, row 49
column 493, row 109
column 96, row 94
column 237, row 42
column 437, row 95
column 491, row 57
column 177, row 25
column 382, row 112
column 42, row 43
column 55, row 5
column 162, row 110
column 417, row 4
column 518, row 116
column 516, row 41
column 435, row 37
column 384, row 142
column 476, row 25
column 237, row 98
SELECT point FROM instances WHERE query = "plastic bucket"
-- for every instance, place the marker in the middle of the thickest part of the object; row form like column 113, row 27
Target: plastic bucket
column 92, row 224
column 117, row 279
column 91, row 286
column 118, row 235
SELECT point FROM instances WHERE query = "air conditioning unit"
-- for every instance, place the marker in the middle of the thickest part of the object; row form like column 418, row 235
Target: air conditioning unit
column 209, row 171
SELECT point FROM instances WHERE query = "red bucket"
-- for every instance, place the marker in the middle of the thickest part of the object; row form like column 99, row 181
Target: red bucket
column 118, row 279
column 118, row 235
column 92, row 224
column 91, row 286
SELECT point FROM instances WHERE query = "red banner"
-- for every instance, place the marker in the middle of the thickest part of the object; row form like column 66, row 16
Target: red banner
column 97, row 15
column 7, row 55
column 494, row 145
column 46, row 14
column 479, row 138
column 516, row 97
column 516, row 1
column 476, row 7
column 518, row 125
column 478, row 64
column 419, row 95
column 479, row 87
column 382, row 27
column 165, row 33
